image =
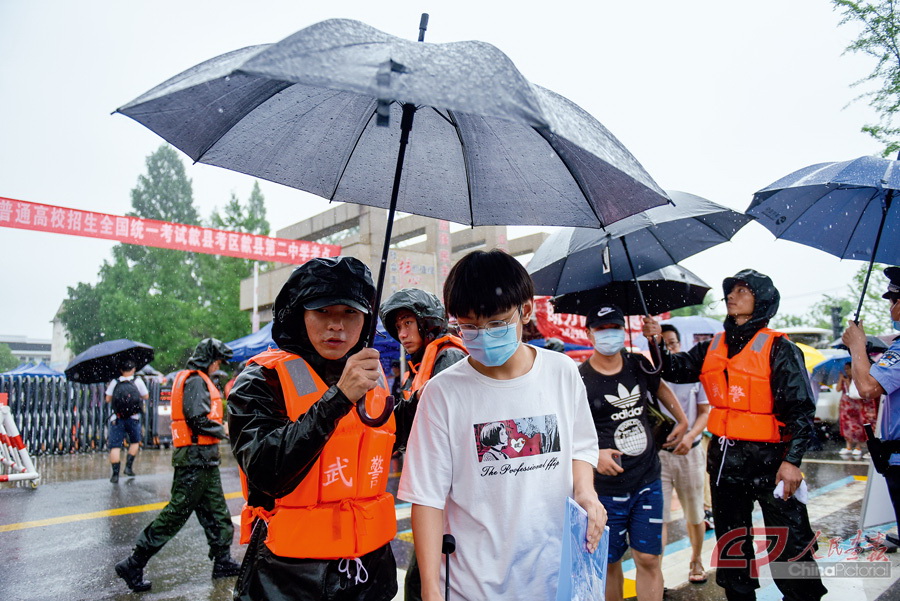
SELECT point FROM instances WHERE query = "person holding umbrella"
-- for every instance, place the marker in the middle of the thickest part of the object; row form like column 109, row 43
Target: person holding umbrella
column 762, row 419
column 318, row 519
column 125, row 394
column 882, row 378
column 197, row 430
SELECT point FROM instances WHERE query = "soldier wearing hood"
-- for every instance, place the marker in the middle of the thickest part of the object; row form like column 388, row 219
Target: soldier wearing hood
column 197, row 430
column 762, row 420
column 318, row 520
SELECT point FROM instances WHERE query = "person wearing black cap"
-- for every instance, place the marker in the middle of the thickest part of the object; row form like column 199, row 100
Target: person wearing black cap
column 628, row 472
column 318, row 519
column 761, row 418
column 882, row 378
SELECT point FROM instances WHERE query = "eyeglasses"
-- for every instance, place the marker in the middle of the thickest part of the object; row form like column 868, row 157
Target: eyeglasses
column 496, row 328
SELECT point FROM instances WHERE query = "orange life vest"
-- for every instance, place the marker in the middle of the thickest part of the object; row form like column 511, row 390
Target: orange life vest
column 182, row 436
column 423, row 371
column 342, row 508
column 740, row 390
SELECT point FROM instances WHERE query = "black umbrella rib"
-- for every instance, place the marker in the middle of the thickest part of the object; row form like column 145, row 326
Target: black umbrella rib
column 462, row 146
column 546, row 134
column 276, row 89
column 349, row 155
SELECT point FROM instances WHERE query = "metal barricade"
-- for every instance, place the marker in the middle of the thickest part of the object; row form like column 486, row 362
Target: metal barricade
column 56, row 416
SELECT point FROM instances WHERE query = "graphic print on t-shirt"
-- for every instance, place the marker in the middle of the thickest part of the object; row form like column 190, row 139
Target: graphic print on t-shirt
column 630, row 436
column 520, row 437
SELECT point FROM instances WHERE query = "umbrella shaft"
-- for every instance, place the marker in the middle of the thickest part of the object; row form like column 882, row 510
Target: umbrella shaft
column 637, row 284
column 406, row 121
column 884, row 211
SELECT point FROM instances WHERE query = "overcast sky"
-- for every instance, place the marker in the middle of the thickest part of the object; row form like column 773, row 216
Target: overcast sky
column 714, row 98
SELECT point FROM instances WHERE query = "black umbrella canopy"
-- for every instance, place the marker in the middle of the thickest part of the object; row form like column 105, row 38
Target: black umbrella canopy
column 487, row 147
column 874, row 344
column 666, row 289
column 577, row 259
column 100, row 363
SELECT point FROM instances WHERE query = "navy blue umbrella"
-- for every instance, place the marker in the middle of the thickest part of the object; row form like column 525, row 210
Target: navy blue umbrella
column 844, row 208
column 828, row 371
column 100, row 363
column 579, row 259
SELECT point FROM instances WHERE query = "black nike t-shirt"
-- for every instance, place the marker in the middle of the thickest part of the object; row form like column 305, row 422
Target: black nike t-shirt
column 621, row 422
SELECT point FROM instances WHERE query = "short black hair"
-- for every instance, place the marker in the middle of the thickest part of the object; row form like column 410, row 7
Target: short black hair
column 127, row 365
column 486, row 283
column 667, row 327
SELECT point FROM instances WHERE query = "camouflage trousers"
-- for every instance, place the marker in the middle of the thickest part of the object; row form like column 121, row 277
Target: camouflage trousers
column 194, row 490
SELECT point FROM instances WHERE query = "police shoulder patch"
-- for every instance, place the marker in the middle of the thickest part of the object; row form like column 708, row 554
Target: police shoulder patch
column 889, row 358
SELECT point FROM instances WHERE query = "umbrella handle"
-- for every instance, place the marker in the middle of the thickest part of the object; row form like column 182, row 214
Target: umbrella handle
column 375, row 422
column 655, row 356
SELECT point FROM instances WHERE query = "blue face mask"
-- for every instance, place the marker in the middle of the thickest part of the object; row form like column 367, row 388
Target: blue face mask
column 491, row 351
column 896, row 325
column 609, row 341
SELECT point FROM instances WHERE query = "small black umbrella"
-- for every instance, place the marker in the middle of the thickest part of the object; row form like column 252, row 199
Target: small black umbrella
column 100, row 363
column 874, row 344
column 666, row 289
column 330, row 110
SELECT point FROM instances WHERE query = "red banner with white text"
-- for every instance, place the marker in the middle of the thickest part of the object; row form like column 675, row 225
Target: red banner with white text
column 25, row 215
column 570, row 328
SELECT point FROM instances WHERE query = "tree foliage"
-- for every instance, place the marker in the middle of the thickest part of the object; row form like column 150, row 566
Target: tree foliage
column 168, row 299
column 880, row 27
column 8, row 361
column 874, row 314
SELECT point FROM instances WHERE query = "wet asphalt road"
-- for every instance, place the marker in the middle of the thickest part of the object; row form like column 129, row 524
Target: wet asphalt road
column 61, row 540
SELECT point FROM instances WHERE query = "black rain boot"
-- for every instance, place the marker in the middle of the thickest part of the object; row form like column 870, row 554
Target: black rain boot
column 129, row 462
column 131, row 570
column 224, row 566
column 115, row 475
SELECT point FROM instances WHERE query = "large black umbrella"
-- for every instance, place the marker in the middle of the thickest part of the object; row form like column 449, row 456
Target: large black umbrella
column 330, row 110
column 663, row 290
column 100, row 363
column 845, row 208
column 578, row 259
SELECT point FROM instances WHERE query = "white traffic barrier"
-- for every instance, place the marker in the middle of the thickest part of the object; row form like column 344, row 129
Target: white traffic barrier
column 14, row 459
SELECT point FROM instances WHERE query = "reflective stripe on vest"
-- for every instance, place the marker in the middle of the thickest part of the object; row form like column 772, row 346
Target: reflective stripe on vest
column 182, row 436
column 341, row 508
column 425, row 369
column 739, row 389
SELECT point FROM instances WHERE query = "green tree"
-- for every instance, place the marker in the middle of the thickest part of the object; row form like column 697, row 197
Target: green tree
column 7, row 360
column 874, row 312
column 705, row 309
column 223, row 291
column 168, row 299
column 878, row 38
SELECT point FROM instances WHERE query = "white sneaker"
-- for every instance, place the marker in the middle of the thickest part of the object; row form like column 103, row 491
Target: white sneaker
column 857, row 452
column 844, row 451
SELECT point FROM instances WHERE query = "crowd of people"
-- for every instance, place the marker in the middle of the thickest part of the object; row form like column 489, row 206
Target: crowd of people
column 493, row 435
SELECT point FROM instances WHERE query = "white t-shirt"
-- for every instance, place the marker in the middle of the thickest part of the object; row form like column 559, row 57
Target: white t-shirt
column 138, row 383
column 496, row 456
